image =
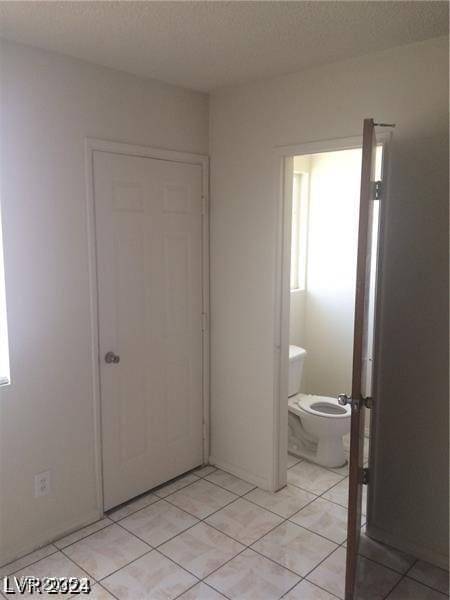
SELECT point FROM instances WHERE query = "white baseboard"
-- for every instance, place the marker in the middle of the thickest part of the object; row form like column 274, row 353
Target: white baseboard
column 49, row 536
column 261, row 482
column 408, row 547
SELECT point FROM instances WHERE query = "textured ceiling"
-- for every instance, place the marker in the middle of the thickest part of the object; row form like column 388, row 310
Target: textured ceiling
column 206, row 45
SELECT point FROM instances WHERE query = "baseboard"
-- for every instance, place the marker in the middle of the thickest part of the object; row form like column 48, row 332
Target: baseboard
column 261, row 482
column 407, row 546
column 49, row 537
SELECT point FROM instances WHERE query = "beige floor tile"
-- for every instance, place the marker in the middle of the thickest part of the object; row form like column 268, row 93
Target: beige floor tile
column 430, row 575
column 82, row 533
column 294, row 547
column 292, row 460
column 374, row 580
column 158, row 523
column 244, row 521
column 250, row 576
column 55, row 565
column 285, row 502
column 230, row 482
column 26, row 560
column 130, row 507
column 307, row 591
column 201, row 591
column 201, row 549
column 204, row 471
column 385, row 555
column 98, row 593
column 151, row 577
column 106, row 551
column 312, row 478
column 339, row 494
column 202, row 498
column 176, row 485
column 324, row 517
column 330, row 575
column 408, row 589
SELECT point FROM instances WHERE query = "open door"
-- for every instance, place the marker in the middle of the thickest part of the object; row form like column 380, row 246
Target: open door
column 360, row 386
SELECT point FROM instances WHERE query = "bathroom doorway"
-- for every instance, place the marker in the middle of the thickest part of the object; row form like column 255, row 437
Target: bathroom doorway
column 323, row 256
column 331, row 224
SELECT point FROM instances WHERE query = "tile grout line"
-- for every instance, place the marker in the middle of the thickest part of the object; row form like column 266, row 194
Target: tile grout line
column 243, row 495
column 86, row 536
column 427, row 585
column 199, row 580
column 108, row 591
column 245, row 546
column 313, row 584
column 165, row 541
column 32, row 563
column 393, row 588
column 291, row 588
column 198, row 583
column 407, row 574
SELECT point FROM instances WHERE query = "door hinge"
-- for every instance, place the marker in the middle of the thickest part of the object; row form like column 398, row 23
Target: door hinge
column 204, row 322
column 378, row 190
column 369, row 402
column 204, row 205
column 365, row 476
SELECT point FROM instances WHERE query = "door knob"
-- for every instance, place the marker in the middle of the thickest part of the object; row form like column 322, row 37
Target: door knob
column 110, row 357
column 342, row 399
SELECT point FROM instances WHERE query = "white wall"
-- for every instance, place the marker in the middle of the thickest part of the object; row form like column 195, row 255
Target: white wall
column 48, row 105
column 407, row 85
column 331, row 271
column 297, row 326
column 297, row 318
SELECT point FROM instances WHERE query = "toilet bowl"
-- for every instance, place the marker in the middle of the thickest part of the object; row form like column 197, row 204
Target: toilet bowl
column 317, row 424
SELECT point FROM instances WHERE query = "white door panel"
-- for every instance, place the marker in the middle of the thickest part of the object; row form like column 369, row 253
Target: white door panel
column 149, row 251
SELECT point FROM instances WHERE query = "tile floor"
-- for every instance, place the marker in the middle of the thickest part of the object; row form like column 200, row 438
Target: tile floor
column 209, row 536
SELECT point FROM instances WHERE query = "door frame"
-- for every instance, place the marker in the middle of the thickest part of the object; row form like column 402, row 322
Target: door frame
column 94, row 144
column 285, row 156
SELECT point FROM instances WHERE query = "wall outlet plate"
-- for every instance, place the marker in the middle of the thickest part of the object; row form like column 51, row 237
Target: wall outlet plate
column 42, row 484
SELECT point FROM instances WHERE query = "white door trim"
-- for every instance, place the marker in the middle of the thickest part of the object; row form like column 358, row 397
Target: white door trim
column 94, row 144
column 282, row 292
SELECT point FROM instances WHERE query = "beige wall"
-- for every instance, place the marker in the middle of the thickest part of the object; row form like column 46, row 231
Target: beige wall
column 407, row 85
column 48, row 105
column 297, row 320
column 331, row 265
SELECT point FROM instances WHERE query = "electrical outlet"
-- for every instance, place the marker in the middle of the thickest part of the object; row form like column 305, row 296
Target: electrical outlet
column 42, row 484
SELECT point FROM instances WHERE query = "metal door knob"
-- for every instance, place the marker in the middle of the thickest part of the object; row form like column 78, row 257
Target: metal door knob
column 111, row 357
column 343, row 399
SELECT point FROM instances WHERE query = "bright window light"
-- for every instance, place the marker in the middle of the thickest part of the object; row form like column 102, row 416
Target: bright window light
column 4, row 354
column 299, row 231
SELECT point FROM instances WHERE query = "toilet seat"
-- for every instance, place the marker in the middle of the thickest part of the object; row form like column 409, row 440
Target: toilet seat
column 321, row 406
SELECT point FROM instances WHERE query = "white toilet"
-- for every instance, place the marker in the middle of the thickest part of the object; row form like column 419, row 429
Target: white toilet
column 316, row 423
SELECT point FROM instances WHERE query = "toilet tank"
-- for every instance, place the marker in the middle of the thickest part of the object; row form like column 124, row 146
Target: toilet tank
column 296, row 358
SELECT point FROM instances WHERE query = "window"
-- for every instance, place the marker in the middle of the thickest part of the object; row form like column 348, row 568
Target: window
column 4, row 355
column 299, row 231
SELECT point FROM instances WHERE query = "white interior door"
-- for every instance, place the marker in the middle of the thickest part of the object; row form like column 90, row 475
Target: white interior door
column 149, row 267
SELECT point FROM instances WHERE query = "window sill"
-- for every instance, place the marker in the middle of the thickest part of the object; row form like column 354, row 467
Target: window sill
column 4, row 381
column 298, row 291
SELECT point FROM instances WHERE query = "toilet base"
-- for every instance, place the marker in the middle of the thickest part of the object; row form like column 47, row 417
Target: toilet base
column 314, row 457
column 328, row 451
